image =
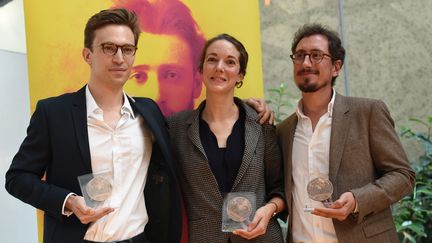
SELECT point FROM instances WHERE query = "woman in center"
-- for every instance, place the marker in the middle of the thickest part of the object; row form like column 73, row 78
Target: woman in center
column 221, row 148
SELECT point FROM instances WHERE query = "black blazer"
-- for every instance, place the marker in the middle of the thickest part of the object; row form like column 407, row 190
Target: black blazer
column 57, row 144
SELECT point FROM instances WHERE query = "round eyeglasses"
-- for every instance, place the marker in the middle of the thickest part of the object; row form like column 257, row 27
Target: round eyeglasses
column 111, row 49
column 315, row 56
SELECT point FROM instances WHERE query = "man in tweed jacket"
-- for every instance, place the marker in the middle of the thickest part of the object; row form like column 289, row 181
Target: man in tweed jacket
column 350, row 141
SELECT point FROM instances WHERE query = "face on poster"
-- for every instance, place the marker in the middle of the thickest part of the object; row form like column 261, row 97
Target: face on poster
column 166, row 62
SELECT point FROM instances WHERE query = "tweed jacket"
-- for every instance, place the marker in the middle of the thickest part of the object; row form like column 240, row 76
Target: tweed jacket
column 366, row 158
column 260, row 172
column 57, row 144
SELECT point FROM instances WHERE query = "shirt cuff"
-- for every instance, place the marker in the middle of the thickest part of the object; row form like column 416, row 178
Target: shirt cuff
column 65, row 211
column 354, row 214
column 356, row 204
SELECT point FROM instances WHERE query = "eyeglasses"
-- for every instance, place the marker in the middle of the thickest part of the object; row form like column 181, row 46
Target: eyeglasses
column 111, row 49
column 315, row 56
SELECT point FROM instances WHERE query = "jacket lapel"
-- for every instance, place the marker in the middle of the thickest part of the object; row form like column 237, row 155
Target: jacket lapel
column 79, row 116
column 156, row 123
column 290, row 132
column 252, row 134
column 286, row 139
column 193, row 130
column 193, row 135
column 339, row 131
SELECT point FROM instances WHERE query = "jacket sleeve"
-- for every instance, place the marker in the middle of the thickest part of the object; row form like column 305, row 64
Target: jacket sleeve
column 274, row 177
column 23, row 179
column 395, row 178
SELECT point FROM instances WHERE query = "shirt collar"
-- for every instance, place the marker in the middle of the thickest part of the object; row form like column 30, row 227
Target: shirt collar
column 299, row 110
column 94, row 110
column 127, row 108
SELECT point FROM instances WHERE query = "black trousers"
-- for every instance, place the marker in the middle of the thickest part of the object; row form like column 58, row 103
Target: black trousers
column 141, row 238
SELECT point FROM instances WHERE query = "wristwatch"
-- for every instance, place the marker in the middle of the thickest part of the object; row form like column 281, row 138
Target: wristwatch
column 354, row 214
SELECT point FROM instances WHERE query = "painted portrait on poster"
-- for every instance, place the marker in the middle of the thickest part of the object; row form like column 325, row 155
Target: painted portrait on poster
column 165, row 69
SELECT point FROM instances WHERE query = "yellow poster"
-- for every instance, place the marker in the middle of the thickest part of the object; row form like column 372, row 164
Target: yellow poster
column 165, row 67
column 55, row 39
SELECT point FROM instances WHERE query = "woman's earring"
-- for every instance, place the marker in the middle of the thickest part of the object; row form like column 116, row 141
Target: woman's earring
column 239, row 84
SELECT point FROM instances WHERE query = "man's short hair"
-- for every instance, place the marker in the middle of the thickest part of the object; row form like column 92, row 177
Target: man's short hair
column 116, row 16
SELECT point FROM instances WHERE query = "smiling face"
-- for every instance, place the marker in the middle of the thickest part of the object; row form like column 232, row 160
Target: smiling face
column 311, row 77
column 164, row 72
column 221, row 67
column 111, row 71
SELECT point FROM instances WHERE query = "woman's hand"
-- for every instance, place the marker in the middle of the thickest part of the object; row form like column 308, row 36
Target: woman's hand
column 259, row 224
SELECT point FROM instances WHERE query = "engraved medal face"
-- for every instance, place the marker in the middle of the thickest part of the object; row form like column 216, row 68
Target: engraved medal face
column 320, row 189
column 239, row 209
column 99, row 188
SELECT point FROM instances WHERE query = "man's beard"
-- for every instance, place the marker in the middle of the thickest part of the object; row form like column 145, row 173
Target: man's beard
column 307, row 87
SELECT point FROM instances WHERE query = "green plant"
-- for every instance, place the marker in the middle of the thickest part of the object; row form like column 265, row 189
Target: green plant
column 413, row 214
column 281, row 100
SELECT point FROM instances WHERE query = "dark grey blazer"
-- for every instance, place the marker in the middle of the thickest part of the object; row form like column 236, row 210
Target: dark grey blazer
column 260, row 172
column 366, row 158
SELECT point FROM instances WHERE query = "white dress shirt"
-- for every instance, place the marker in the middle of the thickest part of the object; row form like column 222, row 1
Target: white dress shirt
column 310, row 158
column 126, row 152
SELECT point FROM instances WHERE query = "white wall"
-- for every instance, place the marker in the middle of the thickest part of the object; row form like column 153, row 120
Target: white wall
column 12, row 31
column 17, row 220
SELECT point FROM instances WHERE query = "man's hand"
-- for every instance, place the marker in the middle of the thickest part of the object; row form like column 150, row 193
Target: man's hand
column 264, row 112
column 258, row 226
column 85, row 214
column 340, row 209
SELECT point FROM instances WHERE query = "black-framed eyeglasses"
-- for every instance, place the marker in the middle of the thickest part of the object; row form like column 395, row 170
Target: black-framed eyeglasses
column 315, row 56
column 111, row 49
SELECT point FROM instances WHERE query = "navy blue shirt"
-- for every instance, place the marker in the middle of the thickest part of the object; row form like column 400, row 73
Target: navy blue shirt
column 224, row 162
